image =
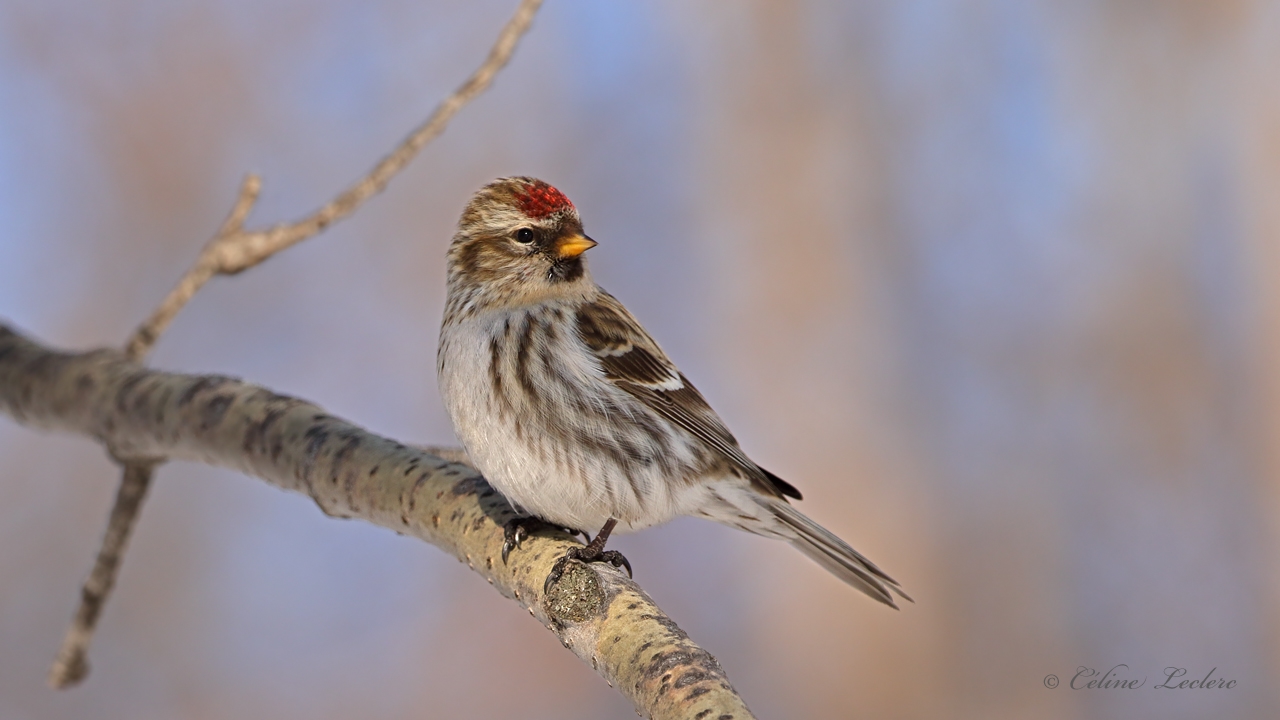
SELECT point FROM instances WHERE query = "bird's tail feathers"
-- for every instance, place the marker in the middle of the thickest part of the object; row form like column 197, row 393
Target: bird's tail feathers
column 836, row 556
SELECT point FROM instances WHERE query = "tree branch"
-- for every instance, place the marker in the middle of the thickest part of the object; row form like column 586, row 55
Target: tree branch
column 71, row 665
column 595, row 610
column 232, row 250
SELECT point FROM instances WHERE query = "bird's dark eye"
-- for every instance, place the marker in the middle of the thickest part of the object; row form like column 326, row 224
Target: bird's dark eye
column 524, row 236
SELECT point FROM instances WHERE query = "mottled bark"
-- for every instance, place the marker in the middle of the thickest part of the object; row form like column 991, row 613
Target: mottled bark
column 143, row 415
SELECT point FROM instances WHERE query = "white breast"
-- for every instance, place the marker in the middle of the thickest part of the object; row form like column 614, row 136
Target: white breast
column 527, row 449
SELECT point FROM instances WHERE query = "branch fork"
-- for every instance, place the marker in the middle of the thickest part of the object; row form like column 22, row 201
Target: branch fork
column 146, row 417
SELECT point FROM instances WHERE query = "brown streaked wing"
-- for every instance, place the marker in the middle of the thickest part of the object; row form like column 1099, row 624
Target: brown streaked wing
column 633, row 361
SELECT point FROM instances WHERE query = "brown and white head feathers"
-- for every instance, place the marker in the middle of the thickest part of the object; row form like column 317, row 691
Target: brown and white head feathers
column 512, row 202
column 519, row 240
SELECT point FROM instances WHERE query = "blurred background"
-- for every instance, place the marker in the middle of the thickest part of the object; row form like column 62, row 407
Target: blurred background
column 993, row 282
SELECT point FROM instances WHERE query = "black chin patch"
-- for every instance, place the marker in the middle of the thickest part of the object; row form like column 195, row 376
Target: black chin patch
column 565, row 270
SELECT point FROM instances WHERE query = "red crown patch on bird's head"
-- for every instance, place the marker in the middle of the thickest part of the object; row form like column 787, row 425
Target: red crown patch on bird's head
column 538, row 199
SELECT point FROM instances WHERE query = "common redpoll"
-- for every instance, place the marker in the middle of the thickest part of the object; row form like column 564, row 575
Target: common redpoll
column 574, row 413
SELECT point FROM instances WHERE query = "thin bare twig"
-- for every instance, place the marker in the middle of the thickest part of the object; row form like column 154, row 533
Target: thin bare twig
column 72, row 666
column 206, row 266
column 235, row 249
column 232, row 250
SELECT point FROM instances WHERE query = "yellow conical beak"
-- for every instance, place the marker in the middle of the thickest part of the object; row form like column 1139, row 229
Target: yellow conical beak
column 572, row 246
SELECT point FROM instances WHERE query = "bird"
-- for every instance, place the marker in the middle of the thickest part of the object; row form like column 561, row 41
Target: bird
column 571, row 410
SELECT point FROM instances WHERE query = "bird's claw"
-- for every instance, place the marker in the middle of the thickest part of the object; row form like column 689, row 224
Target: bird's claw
column 617, row 559
column 584, row 554
column 516, row 530
column 513, row 533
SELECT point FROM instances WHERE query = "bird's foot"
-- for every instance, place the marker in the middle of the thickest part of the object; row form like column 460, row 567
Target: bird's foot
column 515, row 530
column 588, row 553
